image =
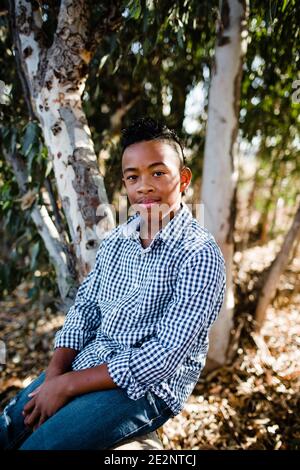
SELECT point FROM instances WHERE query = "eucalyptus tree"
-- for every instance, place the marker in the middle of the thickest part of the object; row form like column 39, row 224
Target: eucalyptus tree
column 220, row 167
column 53, row 71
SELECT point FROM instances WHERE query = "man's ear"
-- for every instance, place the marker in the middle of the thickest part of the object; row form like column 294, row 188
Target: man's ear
column 185, row 178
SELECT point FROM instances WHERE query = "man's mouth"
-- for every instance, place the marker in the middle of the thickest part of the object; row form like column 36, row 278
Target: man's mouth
column 148, row 202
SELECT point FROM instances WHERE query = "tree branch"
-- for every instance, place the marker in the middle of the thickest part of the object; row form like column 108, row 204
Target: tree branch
column 56, row 213
column 75, row 40
column 19, row 63
column 26, row 25
column 47, row 230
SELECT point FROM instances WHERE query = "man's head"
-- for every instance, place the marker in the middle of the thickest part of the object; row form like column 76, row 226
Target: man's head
column 153, row 165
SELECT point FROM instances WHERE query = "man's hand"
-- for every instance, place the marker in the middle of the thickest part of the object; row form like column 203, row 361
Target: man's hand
column 57, row 390
column 46, row 400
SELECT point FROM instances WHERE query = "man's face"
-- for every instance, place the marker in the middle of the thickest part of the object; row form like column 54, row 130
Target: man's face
column 152, row 177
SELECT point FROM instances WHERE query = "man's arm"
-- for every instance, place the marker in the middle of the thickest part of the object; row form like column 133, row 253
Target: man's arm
column 57, row 390
column 88, row 380
column 60, row 362
column 84, row 317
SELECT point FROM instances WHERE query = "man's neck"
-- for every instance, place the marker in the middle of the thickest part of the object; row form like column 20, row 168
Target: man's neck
column 150, row 229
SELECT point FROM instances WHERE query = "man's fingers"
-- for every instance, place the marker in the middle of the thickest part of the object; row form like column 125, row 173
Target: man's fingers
column 32, row 394
column 31, row 419
column 41, row 421
column 29, row 406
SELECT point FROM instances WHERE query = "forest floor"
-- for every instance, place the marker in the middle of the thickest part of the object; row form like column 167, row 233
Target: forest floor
column 252, row 402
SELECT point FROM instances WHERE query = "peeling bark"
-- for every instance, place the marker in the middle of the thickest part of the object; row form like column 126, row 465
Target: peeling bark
column 220, row 170
column 56, row 78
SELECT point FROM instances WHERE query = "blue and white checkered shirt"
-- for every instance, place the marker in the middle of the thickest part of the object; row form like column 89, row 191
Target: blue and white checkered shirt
column 146, row 312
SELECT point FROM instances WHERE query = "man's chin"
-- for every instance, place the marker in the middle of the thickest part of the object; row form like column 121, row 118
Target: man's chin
column 150, row 206
column 153, row 210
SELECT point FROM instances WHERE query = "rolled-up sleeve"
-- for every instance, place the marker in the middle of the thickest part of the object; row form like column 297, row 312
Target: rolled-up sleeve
column 195, row 303
column 84, row 317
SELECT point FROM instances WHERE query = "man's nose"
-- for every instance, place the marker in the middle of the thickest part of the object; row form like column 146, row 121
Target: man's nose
column 145, row 186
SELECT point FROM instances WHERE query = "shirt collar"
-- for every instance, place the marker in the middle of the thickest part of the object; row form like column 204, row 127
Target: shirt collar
column 175, row 229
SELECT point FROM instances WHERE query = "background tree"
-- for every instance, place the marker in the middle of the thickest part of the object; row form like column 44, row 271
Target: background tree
column 220, row 167
column 276, row 269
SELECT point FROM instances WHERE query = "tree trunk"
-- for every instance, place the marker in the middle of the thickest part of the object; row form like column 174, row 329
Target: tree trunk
column 277, row 268
column 55, row 78
column 220, row 169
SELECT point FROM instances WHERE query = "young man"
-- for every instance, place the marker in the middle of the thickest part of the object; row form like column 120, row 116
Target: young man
column 135, row 341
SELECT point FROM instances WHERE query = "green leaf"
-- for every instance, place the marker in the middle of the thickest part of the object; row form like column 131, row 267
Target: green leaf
column 117, row 65
column 48, row 168
column 103, row 61
column 5, row 205
column 135, row 9
column 180, row 38
column 147, row 46
column 285, row 4
column 34, row 252
column 29, row 138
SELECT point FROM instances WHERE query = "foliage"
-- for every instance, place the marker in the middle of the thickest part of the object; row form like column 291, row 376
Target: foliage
column 160, row 53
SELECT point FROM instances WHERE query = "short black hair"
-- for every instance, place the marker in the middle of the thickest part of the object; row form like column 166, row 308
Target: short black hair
column 147, row 128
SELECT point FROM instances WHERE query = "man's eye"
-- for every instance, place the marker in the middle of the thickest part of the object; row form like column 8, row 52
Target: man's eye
column 131, row 177
column 159, row 173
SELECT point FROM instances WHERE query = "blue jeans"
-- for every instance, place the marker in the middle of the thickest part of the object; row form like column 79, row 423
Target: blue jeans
column 96, row 420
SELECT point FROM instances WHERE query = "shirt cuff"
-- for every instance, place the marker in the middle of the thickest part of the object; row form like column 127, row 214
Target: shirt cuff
column 119, row 370
column 69, row 339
